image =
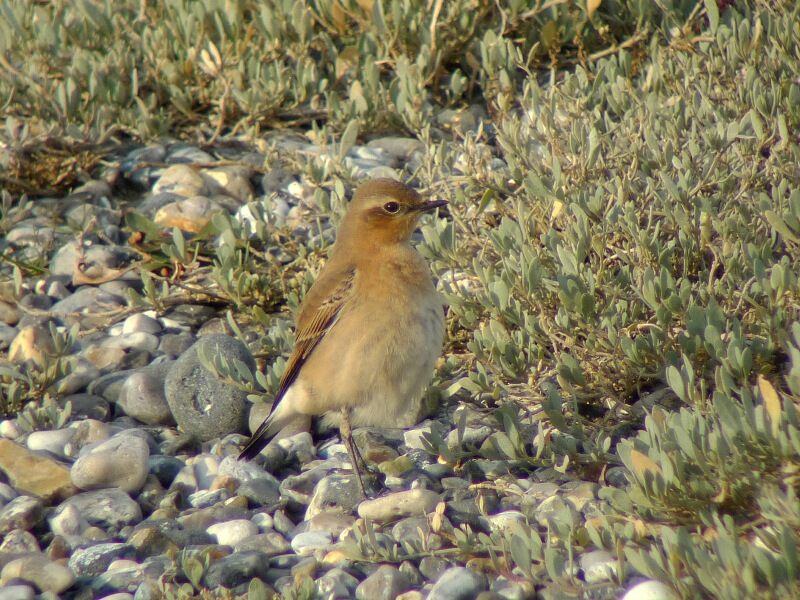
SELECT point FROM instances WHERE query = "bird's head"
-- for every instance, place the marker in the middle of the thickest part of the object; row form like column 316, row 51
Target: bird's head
column 384, row 211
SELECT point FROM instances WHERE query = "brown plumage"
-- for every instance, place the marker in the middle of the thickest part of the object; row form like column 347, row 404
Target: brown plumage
column 371, row 326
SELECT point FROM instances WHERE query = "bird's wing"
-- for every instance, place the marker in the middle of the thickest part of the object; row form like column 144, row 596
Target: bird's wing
column 319, row 314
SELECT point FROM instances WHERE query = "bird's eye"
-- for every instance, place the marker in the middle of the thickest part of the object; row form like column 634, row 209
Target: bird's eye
column 391, row 207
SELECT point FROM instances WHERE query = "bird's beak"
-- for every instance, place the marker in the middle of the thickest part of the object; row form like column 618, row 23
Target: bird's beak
column 427, row 206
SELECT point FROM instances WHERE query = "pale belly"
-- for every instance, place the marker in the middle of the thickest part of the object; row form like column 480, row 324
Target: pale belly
column 379, row 367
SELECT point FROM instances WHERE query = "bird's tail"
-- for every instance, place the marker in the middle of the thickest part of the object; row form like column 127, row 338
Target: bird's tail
column 260, row 438
column 279, row 424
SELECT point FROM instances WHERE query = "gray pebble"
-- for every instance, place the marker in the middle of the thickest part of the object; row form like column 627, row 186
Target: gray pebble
column 142, row 395
column 182, row 180
column 236, row 569
column 408, row 503
column 305, row 544
column 108, row 508
column 50, row 440
column 270, row 543
column 175, row 344
column 87, row 406
column 94, row 560
column 68, row 522
column 458, row 583
column 46, row 575
column 83, row 304
column 19, row 541
column 230, row 533
column 384, row 584
column 204, row 406
column 23, row 512
column 598, row 566
column 340, row 493
column 336, row 583
column 17, row 592
column 650, row 590
column 120, row 462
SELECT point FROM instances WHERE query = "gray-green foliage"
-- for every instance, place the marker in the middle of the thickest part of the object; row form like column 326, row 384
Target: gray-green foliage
column 223, row 64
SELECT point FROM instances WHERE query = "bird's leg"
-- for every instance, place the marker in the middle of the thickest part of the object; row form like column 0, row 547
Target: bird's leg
column 352, row 450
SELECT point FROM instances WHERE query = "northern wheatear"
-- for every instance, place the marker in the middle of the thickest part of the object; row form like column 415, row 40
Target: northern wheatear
column 369, row 329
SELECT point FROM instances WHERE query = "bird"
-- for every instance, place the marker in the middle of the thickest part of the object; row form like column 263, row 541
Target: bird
column 368, row 331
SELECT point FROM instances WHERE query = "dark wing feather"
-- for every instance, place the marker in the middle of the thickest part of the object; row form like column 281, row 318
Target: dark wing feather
column 319, row 314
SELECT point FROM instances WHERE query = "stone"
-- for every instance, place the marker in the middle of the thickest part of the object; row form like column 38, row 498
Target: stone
column 141, row 323
column 232, row 181
column 87, row 406
column 39, row 570
column 52, row 441
column 86, row 433
column 172, row 345
column 504, row 521
column 333, row 522
column 261, row 492
column 19, row 541
column 23, row 512
column 31, row 232
column 108, row 508
column 142, row 395
column 230, row 533
column 33, row 343
column 336, row 583
column 384, row 584
column 650, row 590
column 457, row 583
column 410, row 503
column 205, row 406
column 270, row 543
column 84, row 305
column 165, row 468
column 191, row 214
column 305, row 544
column 180, row 179
column 139, row 340
column 236, row 569
column 118, row 462
column 334, row 493
column 94, row 560
column 69, row 522
column 82, row 374
column 597, row 566
column 17, row 592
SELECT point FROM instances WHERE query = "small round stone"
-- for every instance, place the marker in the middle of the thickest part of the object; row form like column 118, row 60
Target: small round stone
column 50, row 440
column 305, row 544
column 23, row 512
column 335, row 492
column 119, row 462
column 205, row 406
column 597, row 566
column 94, row 560
column 384, row 584
column 17, row 592
column 458, row 583
column 69, row 522
column 650, row 590
column 142, row 395
column 110, row 507
column 38, row 569
column 408, row 503
column 230, row 533
column 141, row 323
